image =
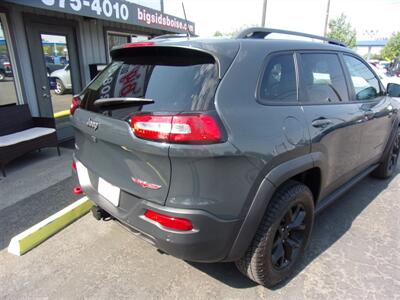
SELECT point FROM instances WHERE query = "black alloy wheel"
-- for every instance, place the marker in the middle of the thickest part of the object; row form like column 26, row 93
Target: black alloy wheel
column 282, row 237
column 289, row 237
column 394, row 155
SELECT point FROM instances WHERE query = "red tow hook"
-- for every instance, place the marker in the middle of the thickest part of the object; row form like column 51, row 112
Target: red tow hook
column 77, row 190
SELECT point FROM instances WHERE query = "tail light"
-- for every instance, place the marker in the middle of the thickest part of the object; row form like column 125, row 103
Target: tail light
column 169, row 221
column 74, row 104
column 180, row 128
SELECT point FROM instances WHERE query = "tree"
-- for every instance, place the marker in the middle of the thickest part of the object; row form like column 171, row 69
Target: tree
column 218, row 33
column 392, row 47
column 340, row 29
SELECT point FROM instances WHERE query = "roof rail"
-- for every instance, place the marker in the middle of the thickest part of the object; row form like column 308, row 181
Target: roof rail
column 261, row 33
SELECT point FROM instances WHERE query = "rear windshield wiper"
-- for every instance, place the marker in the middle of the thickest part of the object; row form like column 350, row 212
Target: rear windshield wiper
column 122, row 100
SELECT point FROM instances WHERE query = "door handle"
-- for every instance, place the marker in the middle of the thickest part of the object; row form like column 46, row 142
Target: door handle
column 321, row 123
column 369, row 114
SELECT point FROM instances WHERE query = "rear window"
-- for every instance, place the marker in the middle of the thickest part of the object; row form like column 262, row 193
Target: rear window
column 174, row 84
column 279, row 80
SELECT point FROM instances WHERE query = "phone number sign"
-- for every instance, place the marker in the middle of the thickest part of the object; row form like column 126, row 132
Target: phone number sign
column 114, row 10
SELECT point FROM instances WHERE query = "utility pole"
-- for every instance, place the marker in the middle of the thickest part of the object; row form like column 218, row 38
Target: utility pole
column 162, row 6
column 327, row 18
column 264, row 12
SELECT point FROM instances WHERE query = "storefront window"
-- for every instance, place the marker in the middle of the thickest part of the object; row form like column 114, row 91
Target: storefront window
column 118, row 38
column 8, row 94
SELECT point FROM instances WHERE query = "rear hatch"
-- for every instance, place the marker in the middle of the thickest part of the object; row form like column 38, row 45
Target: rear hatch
column 140, row 80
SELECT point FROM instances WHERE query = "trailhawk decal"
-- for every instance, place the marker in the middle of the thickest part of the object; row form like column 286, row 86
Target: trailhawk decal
column 145, row 184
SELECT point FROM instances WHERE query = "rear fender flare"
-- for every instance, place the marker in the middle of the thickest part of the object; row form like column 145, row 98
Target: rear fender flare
column 261, row 199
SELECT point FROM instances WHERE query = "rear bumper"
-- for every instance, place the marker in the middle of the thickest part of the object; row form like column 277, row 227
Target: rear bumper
column 210, row 240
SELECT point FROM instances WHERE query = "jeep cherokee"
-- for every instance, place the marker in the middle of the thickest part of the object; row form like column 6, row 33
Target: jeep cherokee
column 225, row 149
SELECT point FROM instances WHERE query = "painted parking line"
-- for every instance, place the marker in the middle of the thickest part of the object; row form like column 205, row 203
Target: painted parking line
column 61, row 114
column 30, row 238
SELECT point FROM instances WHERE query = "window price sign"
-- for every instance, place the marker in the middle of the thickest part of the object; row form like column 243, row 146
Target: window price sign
column 114, row 10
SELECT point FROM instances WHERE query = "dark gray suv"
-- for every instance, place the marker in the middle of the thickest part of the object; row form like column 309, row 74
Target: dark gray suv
column 225, row 149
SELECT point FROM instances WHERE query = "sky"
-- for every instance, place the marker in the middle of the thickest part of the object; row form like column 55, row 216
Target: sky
column 381, row 17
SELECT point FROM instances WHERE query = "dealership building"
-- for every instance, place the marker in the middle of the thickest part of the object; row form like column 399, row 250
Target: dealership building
column 51, row 49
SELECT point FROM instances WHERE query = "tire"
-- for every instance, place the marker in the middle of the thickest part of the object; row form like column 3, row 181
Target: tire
column 388, row 166
column 263, row 261
column 2, row 75
column 60, row 88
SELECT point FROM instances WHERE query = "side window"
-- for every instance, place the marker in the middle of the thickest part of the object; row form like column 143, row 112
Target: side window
column 279, row 79
column 322, row 79
column 366, row 85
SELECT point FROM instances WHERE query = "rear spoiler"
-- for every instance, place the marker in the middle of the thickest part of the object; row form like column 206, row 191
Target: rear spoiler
column 200, row 52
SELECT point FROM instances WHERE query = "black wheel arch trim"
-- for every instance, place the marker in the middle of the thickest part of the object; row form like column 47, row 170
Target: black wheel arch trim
column 261, row 199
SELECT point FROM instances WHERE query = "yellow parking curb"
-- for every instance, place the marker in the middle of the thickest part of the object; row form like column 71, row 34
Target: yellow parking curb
column 61, row 114
column 38, row 233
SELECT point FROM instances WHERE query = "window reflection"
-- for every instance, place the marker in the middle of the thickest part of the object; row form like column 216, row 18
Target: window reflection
column 56, row 59
column 365, row 84
column 8, row 93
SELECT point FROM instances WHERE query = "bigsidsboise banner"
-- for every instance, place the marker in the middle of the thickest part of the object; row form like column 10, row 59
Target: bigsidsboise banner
column 158, row 18
column 114, row 10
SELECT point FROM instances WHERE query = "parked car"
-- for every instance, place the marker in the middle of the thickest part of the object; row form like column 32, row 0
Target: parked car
column 383, row 65
column 61, row 60
column 394, row 68
column 63, row 80
column 385, row 79
column 225, row 149
column 51, row 66
column 5, row 69
column 379, row 64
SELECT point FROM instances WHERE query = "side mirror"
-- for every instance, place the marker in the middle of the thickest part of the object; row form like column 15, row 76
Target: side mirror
column 367, row 93
column 393, row 89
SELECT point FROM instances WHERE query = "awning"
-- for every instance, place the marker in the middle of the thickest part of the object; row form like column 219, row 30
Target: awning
column 114, row 10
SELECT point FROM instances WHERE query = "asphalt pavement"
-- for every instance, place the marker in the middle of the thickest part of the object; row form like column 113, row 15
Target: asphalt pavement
column 60, row 102
column 354, row 254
